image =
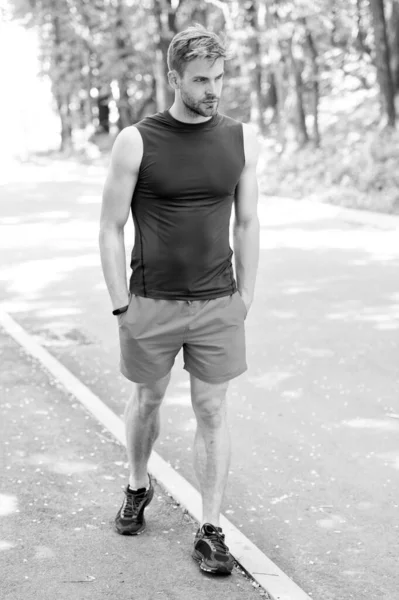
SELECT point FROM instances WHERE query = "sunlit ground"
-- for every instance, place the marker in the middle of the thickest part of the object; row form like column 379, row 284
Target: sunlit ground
column 68, row 229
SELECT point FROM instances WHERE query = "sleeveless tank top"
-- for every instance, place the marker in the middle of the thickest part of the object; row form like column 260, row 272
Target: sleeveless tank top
column 181, row 207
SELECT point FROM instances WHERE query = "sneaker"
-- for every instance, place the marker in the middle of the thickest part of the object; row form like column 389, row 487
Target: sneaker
column 130, row 518
column 211, row 552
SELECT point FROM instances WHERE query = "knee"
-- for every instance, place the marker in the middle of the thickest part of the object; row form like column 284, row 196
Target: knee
column 147, row 397
column 210, row 412
column 147, row 401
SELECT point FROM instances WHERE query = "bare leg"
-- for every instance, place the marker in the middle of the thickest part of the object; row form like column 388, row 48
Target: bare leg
column 142, row 427
column 211, row 445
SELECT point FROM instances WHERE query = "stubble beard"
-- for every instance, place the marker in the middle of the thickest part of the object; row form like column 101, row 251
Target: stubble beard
column 195, row 109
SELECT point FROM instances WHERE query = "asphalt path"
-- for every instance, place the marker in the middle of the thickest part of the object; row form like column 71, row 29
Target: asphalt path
column 314, row 420
column 60, row 488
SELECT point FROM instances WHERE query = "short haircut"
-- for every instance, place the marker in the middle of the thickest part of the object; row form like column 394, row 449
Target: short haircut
column 194, row 42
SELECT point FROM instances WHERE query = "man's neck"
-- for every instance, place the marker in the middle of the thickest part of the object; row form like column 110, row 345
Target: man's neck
column 180, row 113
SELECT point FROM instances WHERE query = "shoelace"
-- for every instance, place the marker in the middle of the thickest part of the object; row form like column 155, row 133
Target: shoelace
column 217, row 541
column 131, row 505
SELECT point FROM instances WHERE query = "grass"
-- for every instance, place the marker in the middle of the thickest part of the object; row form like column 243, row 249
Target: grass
column 357, row 165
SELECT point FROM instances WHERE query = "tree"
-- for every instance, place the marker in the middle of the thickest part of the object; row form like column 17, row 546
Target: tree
column 251, row 20
column 382, row 55
column 287, row 56
column 393, row 37
column 314, row 80
column 165, row 20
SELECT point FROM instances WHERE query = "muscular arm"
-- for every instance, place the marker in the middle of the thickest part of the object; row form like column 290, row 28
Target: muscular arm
column 246, row 222
column 117, row 196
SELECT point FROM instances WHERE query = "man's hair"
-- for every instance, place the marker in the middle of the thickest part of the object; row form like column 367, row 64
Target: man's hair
column 194, row 42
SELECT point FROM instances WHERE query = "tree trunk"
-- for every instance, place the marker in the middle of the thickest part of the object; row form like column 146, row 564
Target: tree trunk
column 103, row 111
column 280, row 113
column 257, row 93
column 315, row 83
column 333, row 36
column 148, row 103
column 125, row 116
column 361, row 34
column 276, row 94
column 302, row 133
column 271, row 91
column 66, row 123
column 162, row 94
column 124, row 109
column 86, row 115
column 255, row 77
column 383, row 60
column 393, row 36
column 88, row 88
column 166, row 29
column 62, row 99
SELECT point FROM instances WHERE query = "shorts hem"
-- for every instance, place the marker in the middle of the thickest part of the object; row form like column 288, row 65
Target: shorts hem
column 139, row 379
column 216, row 379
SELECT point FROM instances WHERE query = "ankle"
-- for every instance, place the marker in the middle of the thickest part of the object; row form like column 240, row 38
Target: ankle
column 137, row 484
column 214, row 522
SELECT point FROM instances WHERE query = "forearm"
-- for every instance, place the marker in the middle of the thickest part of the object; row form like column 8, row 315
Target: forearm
column 246, row 255
column 113, row 261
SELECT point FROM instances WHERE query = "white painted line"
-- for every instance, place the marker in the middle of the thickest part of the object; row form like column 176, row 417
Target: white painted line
column 277, row 584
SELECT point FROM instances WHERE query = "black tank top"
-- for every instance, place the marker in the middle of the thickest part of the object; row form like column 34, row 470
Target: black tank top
column 181, row 207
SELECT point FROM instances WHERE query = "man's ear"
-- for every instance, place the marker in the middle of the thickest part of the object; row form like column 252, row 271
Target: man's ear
column 174, row 79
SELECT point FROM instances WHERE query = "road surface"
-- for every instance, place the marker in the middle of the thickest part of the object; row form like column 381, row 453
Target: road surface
column 314, row 420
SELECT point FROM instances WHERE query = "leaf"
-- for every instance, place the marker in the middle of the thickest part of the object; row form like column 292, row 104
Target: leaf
column 88, row 579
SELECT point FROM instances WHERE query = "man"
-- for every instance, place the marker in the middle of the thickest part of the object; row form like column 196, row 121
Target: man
column 179, row 172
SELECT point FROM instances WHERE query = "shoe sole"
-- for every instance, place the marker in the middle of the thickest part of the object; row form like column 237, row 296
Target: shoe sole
column 206, row 568
column 125, row 531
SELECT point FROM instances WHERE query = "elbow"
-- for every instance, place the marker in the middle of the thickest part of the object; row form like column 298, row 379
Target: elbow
column 108, row 232
column 248, row 223
column 108, row 226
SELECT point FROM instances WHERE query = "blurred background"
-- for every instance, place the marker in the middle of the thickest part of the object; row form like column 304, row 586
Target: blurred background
column 317, row 78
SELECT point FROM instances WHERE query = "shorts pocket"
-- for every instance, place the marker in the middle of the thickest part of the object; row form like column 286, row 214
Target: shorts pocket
column 242, row 304
column 122, row 317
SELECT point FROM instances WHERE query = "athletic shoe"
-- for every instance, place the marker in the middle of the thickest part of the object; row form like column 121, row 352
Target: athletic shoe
column 211, row 552
column 130, row 518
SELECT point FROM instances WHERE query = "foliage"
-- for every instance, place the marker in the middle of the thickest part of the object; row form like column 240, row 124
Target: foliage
column 290, row 60
column 356, row 167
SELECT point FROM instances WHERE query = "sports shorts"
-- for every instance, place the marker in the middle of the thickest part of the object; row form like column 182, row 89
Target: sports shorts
column 211, row 333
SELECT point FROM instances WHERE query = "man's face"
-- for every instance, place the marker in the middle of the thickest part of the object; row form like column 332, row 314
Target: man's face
column 201, row 86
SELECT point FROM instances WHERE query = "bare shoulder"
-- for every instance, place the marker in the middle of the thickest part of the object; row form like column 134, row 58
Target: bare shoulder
column 251, row 144
column 127, row 151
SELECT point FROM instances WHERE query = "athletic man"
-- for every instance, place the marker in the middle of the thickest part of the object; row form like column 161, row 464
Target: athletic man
column 179, row 172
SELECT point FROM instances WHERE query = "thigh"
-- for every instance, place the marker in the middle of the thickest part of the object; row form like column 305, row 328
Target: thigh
column 201, row 391
column 149, row 339
column 214, row 347
column 155, row 388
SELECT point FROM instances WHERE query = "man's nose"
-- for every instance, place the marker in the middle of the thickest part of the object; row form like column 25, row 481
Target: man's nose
column 211, row 88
